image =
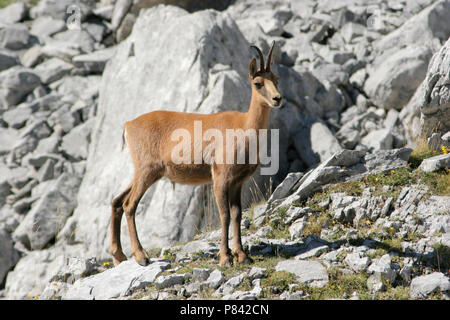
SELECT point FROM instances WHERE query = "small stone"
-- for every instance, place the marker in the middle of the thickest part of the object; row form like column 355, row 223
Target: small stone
column 200, row 274
column 357, row 262
column 435, row 163
column 14, row 36
column 422, row 286
column 52, row 70
column 309, row 272
column 383, row 267
column 215, row 279
column 257, row 273
column 375, row 284
column 169, row 281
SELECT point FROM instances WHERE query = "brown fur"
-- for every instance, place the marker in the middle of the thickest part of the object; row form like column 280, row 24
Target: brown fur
column 149, row 141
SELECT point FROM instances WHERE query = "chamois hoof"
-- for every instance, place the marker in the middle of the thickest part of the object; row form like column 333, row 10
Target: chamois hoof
column 143, row 262
column 246, row 260
column 226, row 261
column 119, row 257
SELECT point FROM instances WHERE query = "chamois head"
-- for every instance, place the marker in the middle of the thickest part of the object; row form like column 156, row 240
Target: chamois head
column 263, row 81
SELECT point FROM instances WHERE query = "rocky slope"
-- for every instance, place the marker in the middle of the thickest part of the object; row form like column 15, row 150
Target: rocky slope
column 384, row 236
column 357, row 77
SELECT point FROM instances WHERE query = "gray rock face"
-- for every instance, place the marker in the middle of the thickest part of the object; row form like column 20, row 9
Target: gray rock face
column 36, row 269
column 310, row 272
column 168, row 213
column 395, row 78
column 435, row 104
column 396, row 74
column 316, row 143
column 49, row 214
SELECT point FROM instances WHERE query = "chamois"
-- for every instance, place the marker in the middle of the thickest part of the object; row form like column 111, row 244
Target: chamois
column 150, row 141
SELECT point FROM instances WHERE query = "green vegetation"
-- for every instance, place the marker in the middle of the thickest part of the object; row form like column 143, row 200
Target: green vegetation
column 340, row 285
column 277, row 279
column 420, row 152
column 316, row 223
column 5, row 3
column 442, row 260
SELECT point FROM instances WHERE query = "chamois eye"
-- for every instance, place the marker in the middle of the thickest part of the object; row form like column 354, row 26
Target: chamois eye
column 258, row 85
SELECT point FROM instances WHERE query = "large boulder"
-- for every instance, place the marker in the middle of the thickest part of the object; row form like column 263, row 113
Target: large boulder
column 203, row 70
column 428, row 111
column 435, row 107
column 126, row 11
column 402, row 56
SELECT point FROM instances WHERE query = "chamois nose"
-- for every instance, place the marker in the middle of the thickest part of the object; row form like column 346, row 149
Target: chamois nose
column 277, row 100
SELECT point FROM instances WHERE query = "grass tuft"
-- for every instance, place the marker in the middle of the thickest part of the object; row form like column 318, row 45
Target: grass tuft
column 421, row 152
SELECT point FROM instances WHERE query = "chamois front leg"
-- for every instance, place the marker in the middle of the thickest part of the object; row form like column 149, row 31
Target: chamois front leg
column 236, row 215
column 221, row 195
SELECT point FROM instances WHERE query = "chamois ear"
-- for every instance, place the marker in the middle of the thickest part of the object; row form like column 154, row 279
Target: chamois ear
column 253, row 68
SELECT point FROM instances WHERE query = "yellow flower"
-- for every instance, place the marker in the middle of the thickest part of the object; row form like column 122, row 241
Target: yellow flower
column 367, row 222
column 332, row 286
column 197, row 235
column 107, row 263
column 392, row 171
column 444, row 150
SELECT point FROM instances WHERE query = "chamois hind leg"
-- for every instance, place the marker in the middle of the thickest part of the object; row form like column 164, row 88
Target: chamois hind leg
column 116, row 217
column 236, row 215
column 221, row 194
column 141, row 182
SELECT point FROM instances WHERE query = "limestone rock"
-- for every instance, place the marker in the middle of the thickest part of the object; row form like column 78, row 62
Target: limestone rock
column 119, row 281
column 16, row 83
column 310, row 272
column 49, row 214
column 9, row 256
column 14, row 13
column 435, row 163
column 424, row 285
